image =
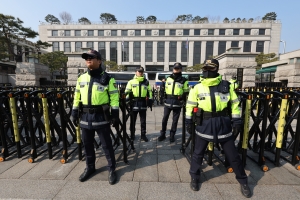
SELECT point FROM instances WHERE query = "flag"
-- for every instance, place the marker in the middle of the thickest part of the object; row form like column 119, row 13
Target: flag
column 187, row 43
column 123, row 45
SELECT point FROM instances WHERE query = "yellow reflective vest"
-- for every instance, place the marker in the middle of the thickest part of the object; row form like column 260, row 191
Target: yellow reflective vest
column 93, row 91
column 211, row 96
column 175, row 91
column 140, row 88
column 234, row 83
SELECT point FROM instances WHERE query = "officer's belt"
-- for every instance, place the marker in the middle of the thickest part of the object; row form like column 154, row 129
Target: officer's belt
column 207, row 115
column 173, row 96
column 138, row 98
column 92, row 109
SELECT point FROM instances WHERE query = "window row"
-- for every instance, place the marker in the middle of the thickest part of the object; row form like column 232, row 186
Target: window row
column 160, row 49
column 161, row 32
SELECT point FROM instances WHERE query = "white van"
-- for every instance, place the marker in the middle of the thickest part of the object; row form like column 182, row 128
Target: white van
column 124, row 77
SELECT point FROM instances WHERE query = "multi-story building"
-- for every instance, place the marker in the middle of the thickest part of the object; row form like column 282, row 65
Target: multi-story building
column 158, row 46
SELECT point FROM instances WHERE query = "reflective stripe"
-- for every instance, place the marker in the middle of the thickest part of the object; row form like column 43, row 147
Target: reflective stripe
column 77, row 90
column 212, row 137
column 204, row 95
column 115, row 107
column 173, row 105
column 235, row 116
column 139, row 108
column 234, row 101
column 95, row 83
column 191, row 102
column 75, row 107
column 188, row 117
column 134, row 84
column 113, row 92
column 186, row 90
column 221, row 94
column 94, row 123
column 83, row 83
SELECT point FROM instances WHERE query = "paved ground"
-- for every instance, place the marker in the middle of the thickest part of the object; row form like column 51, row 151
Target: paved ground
column 156, row 170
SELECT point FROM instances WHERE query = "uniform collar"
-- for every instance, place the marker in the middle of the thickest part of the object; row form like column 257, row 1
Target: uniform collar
column 139, row 78
column 95, row 72
column 211, row 81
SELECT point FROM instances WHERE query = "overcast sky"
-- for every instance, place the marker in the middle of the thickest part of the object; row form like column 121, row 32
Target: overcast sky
column 34, row 11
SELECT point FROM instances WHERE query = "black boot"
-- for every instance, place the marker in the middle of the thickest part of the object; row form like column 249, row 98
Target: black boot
column 86, row 174
column 195, row 184
column 143, row 137
column 245, row 190
column 132, row 136
column 162, row 136
column 172, row 137
column 112, row 177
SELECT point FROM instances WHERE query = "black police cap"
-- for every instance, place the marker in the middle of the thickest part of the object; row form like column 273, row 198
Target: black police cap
column 211, row 63
column 177, row 66
column 91, row 52
column 140, row 69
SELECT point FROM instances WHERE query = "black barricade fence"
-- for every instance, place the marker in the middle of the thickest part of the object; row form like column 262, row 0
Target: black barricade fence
column 271, row 129
column 36, row 121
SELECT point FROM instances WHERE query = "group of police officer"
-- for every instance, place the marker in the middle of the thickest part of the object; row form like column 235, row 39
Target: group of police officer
column 97, row 93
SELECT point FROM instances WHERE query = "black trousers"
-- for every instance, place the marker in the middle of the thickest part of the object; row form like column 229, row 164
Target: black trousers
column 88, row 136
column 143, row 114
column 230, row 153
column 176, row 114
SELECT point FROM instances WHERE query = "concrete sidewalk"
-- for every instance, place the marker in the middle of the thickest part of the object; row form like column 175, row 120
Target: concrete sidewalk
column 156, row 170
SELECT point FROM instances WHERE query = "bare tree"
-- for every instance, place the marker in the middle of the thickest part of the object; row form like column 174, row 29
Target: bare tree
column 65, row 17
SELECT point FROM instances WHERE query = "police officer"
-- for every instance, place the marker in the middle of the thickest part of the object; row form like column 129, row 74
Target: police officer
column 142, row 97
column 98, row 94
column 211, row 96
column 176, row 90
column 233, row 81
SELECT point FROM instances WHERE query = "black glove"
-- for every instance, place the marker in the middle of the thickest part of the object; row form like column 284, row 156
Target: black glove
column 237, row 125
column 75, row 122
column 188, row 125
column 114, row 117
column 150, row 103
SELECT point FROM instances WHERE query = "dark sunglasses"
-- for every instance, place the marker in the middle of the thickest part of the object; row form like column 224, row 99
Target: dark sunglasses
column 208, row 68
column 89, row 57
column 141, row 71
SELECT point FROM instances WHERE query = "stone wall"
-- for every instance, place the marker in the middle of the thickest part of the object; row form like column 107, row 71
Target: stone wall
column 29, row 74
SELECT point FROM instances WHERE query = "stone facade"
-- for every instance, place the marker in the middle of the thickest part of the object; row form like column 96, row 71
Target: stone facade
column 232, row 60
column 288, row 68
column 30, row 74
column 270, row 39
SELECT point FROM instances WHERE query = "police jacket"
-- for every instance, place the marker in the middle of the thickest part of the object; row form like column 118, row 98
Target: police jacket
column 97, row 91
column 176, row 89
column 141, row 91
column 213, row 96
column 234, row 83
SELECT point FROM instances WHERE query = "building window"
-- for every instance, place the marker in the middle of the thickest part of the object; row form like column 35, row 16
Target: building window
column 186, row 31
column 172, row 51
column 209, row 49
column 55, row 33
column 161, row 32
column 148, row 32
column 90, row 32
column 149, row 51
column 197, row 52
column 113, row 32
column 67, row 33
column 124, row 32
column 236, row 31
column 160, row 51
column 78, row 46
column 137, row 51
column 113, row 52
column 137, row 32
column 90, row 45
column 221, row 31
column 67, row 46
column 247, row 31
column 102, row 49
column 125, row 52
column 172, row 32
column 55, row 46
column 222, row 47
column 260, row 46
column 100, row 32
column 211, row 31
column 261, row 31
column 184, row 49
column 235, row 44
column 247, row 46
column 297, row 60
column 197, row 32
column 77, row 32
